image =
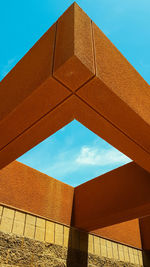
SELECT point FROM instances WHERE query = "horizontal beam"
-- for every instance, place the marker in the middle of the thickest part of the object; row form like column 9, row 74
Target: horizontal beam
column 29, row 190
column 126, row 232
column 117, row 196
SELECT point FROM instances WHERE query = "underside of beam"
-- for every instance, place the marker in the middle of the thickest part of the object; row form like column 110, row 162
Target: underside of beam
column 117, row 196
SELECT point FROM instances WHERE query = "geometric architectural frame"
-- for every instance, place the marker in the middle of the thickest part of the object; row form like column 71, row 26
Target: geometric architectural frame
column 48, row 198
column 74, row 72
column 112, row 198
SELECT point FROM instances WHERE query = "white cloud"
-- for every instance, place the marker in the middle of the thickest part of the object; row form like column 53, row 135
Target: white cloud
column 100, row 157
column 69, row 161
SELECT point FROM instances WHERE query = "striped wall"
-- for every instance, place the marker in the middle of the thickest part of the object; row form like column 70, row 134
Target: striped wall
column 26, row 225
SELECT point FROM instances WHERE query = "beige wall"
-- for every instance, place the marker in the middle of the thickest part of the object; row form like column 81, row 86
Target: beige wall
column 26, row 225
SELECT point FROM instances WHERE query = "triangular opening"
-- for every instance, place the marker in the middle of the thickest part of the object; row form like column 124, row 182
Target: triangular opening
column 74, row 155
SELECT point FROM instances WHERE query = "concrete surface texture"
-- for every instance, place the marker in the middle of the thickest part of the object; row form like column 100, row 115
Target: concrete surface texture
column 75, row 72
column 29, row 190
column 27, row 240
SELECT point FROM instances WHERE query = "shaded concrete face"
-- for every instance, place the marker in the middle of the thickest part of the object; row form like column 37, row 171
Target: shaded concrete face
column 117, row 196
column 126, row 232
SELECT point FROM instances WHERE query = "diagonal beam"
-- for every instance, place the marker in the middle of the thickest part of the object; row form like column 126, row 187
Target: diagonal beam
column 64, row 113
column 117, row 196
column 29, row 91
column 94, row 121
column 53, row 121
column 119, row 94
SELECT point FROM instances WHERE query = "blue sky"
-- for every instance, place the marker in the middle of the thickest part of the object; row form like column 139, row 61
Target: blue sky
column 74, row 153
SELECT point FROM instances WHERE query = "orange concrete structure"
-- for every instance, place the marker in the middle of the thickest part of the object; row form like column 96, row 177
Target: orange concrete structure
column 28, row 190
column 75, row 72
column 117, row 196
column 127, row 233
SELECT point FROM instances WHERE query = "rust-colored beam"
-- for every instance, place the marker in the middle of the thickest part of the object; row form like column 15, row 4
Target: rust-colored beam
column 121, row 96
column 117, row 196
column 118, row 92
column 29, row 91
column 126, row 232
column 48, row 125
column 74, row 72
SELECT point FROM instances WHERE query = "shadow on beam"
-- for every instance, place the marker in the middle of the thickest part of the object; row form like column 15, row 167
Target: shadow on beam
column 117, row 196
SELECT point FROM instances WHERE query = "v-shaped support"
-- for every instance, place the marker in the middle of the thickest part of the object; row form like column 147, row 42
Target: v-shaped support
column 74, row 72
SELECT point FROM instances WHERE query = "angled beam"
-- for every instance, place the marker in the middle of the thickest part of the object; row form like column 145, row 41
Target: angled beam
column 29, row 91
column 94, row 121
column 117, row 196
column 43, row 128
column 74, row 58
column 64, row 113
column 120, row 95
column 118, row 92
column 74, row 51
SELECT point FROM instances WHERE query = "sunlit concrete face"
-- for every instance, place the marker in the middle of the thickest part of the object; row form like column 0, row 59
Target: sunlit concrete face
column 74, row 155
